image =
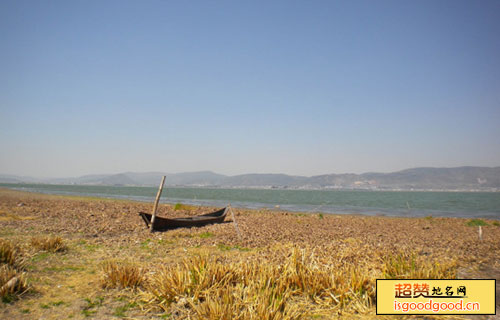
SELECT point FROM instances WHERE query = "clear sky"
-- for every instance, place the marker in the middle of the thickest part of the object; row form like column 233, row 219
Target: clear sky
column 297, row 87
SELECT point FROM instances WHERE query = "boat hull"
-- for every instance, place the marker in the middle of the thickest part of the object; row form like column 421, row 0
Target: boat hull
column 162, row 224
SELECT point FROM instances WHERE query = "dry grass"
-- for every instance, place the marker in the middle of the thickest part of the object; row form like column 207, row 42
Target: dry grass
column 50, row 244
column 6, row 216
column 12, row 283
column 122, row 275
column 10, row 255
column 407, row 265
column 293, row 283
column 12, row 278
column 205, row 288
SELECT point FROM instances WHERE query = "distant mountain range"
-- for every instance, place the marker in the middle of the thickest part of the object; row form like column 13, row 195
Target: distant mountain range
column 460, row 178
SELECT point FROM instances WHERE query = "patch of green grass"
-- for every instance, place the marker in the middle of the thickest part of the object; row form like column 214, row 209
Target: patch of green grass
column 145, row 244
column 320, row 216
column 120, row 311
column 40, row 256
column 88, row 313
column 205, row 235
column 180, row 206
column 496, row 223
column 25, row 311
column 477, row 222
column 89, row 309
column 57, row 303
column 97, row 302
column 92, row 247
column 428, row 218
column 63, row 268
column 52, row 304
column 224, row 247
column 237, row 247
column 165, row 241
column 8, row 298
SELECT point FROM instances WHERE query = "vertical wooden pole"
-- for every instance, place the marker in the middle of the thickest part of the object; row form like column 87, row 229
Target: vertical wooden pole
column 156, row 204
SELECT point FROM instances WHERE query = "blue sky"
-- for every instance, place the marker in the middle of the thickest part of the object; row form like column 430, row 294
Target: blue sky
column 298, row 87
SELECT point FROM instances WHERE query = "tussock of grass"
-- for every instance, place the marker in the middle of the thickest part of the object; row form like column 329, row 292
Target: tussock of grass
column 407, row 265
column 12, row 278
column 246, row 303
column 12, row 283
column 122, row 275
column 282, row 285
column 10, row 255
column 260, row 289
column 50, row 244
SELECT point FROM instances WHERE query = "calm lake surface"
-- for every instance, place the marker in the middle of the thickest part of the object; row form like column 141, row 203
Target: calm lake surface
column 390, row 203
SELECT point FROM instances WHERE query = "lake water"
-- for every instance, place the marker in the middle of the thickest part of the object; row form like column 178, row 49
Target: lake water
column 390, row 203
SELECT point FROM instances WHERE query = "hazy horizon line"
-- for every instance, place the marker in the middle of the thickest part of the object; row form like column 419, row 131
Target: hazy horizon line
column 239, row 174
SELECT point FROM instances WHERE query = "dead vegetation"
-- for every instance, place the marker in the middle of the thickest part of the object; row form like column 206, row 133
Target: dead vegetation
column 12, row 276
column 10, row 255
column 122, row 275
column 288, row 285
column 50, row 244
column 408, row 265
column 6, row 216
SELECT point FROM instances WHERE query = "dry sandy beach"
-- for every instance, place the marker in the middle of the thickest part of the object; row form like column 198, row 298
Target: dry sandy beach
column 298, row 251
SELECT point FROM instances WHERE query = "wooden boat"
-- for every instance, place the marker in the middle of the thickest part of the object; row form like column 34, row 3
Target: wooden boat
column 162, row 224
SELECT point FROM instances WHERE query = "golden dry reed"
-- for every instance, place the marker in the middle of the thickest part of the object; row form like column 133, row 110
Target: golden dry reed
column 288, row 284
column 407, row 265
column 122, row 275
column 10, row 255
column 50, row 244
column 12, row 278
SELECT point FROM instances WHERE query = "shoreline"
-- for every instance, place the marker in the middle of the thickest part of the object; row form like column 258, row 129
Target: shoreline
column 486, row 190
column 390, row 203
